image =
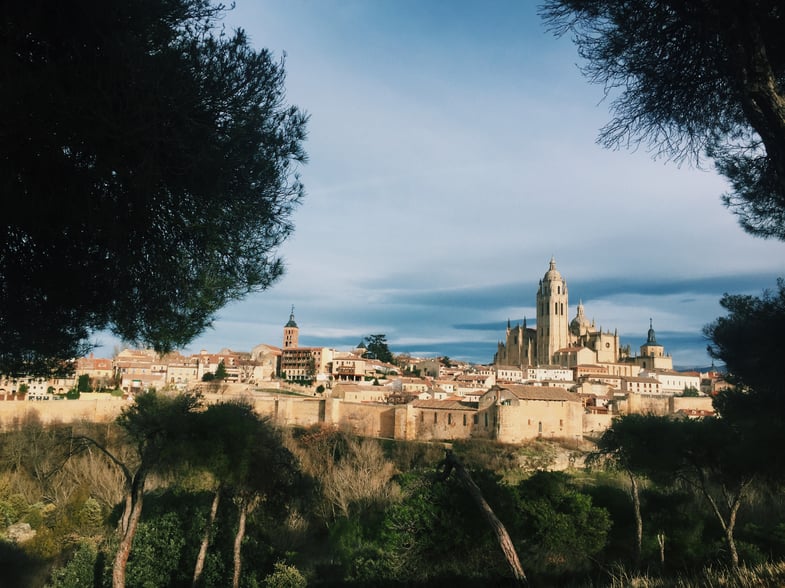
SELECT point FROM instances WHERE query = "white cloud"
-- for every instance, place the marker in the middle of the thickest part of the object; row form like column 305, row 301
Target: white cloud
column 453, row 146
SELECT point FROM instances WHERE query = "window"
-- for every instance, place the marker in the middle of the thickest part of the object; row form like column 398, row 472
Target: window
column 476, row 419
column 435, row 417
column 486, row 420
column 464, row 419
column 449, row 418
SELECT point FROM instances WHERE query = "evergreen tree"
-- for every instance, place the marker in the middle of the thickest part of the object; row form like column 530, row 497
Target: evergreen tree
column 378, row 349
column 152, row 159
column 692, row 79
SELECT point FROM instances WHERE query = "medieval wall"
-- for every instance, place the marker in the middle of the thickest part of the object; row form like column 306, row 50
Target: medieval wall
column 595, row 425
column 645, row 404
column 95, row 408
column 691, row 403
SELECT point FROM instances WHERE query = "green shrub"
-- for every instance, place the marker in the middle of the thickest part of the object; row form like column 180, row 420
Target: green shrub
column 156, row 552
column 79, row 571
column 8, row 514
column 285, row 576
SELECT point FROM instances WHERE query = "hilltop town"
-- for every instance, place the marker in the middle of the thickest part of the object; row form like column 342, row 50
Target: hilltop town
column 560, row 379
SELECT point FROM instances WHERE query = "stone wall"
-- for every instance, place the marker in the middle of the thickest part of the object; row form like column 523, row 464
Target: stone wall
column 509, row 424
column 534, row 418
column 595, row 424
column 691, row 403
column 90, row 407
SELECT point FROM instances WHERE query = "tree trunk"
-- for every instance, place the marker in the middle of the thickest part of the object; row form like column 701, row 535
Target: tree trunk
column 728, row 525
column 238, row 542
column 636, row 506
column 505, row 542
column 206, row 538
column 734, row 554
column 127, row 507
column 135, row 513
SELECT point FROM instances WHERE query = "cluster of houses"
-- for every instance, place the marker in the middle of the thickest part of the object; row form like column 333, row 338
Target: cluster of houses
column 425, row 398
column 560, row 378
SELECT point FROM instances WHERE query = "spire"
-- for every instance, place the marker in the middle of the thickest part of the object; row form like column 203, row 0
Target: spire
column 651, row 339
column 291, row 322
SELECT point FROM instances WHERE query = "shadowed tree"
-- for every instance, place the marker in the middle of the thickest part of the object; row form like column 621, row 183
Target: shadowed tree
column 611, row 455
column 248, row 461
column 707, row 455
column 161, row 429
column 152, row 160
column 690, row 79
column 222, row 432
column 749, row 341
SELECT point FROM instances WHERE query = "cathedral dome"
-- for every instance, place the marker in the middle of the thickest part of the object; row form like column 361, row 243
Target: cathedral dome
column 552, row 274
column 580, row 324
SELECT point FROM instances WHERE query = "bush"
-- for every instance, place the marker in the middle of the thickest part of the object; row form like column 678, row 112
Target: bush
column 285, row 576
column 79, row 571
column 8, row 514
column 560, row 529
column 156, row 553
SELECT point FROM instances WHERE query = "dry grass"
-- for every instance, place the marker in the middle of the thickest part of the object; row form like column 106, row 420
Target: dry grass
column 757, row 576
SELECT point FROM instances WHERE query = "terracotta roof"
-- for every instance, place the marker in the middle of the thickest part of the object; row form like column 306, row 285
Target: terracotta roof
column 539, row 393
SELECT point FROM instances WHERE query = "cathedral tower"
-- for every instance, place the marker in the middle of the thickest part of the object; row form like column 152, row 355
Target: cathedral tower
column 291, row 333
column 552, row 315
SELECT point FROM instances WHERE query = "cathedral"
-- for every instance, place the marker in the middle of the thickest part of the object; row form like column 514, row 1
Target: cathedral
column 556, row 340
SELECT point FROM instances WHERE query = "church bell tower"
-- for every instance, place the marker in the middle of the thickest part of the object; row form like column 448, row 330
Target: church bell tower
column 552, row 315
column 291, row 333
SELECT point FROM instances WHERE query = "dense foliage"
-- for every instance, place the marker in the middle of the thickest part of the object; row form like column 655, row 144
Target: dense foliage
column 151, row 160
column 349, row 511
column 378, row 349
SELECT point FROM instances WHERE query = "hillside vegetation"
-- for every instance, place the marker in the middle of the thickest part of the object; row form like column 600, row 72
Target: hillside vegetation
column 230, row 500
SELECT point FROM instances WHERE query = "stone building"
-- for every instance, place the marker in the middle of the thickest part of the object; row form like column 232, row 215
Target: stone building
column 517, row 413
column 303, row 363
column 556, row 340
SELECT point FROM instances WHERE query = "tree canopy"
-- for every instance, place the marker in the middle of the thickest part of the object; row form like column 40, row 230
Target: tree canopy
column 690, row 79
column 152, row 160
column 378, row 349
column 709, row 455
column 748, row 340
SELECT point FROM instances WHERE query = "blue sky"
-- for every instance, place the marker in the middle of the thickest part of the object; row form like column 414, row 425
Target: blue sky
column 452, row 151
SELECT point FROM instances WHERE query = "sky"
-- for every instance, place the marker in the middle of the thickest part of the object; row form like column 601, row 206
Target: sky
column 451, row 154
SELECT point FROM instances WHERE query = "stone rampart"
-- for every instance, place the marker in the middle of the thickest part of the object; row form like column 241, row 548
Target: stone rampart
column 89, row 407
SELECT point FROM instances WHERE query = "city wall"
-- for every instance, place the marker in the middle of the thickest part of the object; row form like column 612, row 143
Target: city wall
column 371, row 420
column 595, row 425
column 90, row 407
